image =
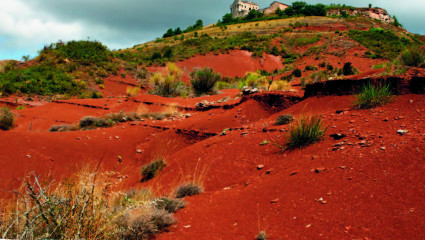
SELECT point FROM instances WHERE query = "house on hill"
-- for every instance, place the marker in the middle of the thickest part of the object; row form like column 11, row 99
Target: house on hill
column 242, row 8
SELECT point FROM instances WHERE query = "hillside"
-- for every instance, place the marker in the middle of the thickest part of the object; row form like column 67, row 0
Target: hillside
column 79, row 107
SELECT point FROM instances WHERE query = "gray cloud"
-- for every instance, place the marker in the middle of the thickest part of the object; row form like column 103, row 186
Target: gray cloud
column 26, row 25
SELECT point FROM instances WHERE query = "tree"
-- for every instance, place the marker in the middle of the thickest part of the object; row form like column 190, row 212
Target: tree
column 298, row 6
column 370, row 5
column 227, row 18
column 169, row 33
column 178, row 31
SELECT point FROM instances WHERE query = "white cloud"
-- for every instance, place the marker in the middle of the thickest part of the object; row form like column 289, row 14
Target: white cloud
column 23, row 28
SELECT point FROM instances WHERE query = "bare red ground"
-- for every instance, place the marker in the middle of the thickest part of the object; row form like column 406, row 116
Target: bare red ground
column 237, row 63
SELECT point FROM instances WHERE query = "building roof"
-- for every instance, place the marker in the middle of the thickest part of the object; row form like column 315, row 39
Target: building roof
column 279, row 3
column 250, row 2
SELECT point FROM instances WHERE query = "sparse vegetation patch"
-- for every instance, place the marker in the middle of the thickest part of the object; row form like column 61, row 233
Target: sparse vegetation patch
column 371, row 96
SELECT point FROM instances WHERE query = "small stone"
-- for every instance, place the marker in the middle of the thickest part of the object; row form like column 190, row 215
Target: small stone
column 117, row 137
column 386, row 119
column 402, row 132
column 78, row 138
column 293, row 173
column 274, row 200
column 342, row 167
column 339, row 144
column 319, row 170
column 261, row 166
column 338, row 136
column 28, row 156
column 352, row 121
column 139, row 150
column 308, row 226
column 268, row 171
column 383, row 148
column 187, row 226
column 361, row 143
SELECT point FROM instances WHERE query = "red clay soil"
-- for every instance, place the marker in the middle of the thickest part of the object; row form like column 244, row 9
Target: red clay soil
column 237, row 63
column 368, row 185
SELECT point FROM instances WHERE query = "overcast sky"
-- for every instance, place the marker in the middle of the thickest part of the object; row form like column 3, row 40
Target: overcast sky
column 27, row 25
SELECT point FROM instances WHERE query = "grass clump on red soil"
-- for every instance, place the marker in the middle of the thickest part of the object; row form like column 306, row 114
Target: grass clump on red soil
column 204, row 80
column 169, row 84
column 188, row 189
column 284, row 119
column 7, row 119
column 152, row 169
column 261, row 236
column 304, row 132
column 372, row 96
column 170, row 205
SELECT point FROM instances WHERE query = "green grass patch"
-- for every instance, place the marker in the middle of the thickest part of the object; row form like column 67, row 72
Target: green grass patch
column 7, row 119
column 305, row 131
column 372, row 96
column 384, row 43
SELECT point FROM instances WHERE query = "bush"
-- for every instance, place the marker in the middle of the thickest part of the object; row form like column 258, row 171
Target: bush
column 7, row 119
column 348, row 69
column 168, row 85
column 296, row 72
column 188, row 189
column 412, row 57
column 371, row 96
column 170, row 205
column 152, row 169
column 204, row 80
column 143, row 223
column 306, row 131
column 93, row 122
column 284, row 119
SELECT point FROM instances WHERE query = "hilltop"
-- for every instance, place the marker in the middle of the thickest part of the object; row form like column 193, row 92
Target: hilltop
column 194, row 135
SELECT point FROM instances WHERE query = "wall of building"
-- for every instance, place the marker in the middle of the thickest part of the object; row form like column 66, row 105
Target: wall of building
column 273, row 7
column 242, row 8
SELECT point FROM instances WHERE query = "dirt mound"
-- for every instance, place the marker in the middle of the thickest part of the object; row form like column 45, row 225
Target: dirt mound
column 411, row 82
column 236, row 63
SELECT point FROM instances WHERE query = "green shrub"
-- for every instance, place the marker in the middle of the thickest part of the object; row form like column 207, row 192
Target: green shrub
column 170, row 205
column 306, row 131
column 371, row 96
column 204, row 80
column 7, row 119
column 384, row 43
column 152, row 169
column 296, row 72
column 284, row 119
column 188, row 189
column 348, row 69
column 93, row 122
column 412, row 57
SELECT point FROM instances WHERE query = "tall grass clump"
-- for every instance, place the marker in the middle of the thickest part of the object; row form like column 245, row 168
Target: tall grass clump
column 204, row 80
column 188, row 189
column 7, row 119
column 305, row 131
column 152, row 169
column 372, row 96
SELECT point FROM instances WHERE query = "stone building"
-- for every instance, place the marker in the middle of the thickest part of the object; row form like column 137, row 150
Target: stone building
column 242, row 8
